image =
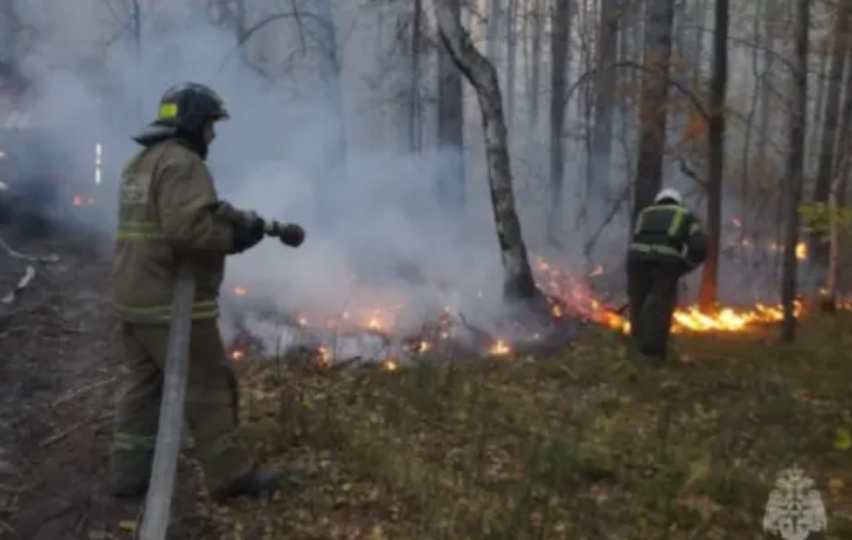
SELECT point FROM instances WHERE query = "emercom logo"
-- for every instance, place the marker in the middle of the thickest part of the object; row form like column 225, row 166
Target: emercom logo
column 794, row 509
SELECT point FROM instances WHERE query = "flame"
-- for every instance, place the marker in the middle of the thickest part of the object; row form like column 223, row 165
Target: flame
column 324, row 356
column 802, row 251
column 568, row 297
column 690, row 319
column 499, row 348
column 374, row 323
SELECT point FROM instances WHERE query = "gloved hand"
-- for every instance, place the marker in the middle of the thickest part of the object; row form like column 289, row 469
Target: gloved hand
column 235, row 216
column 292, row 235
column 247, row 235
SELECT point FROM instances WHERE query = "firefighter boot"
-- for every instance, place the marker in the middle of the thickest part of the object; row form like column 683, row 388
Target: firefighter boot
column 254, row 484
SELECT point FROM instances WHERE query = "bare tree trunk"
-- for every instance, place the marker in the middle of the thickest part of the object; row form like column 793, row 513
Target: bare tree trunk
column 838, row 48
column 829, row 291
column 795, row 166
column 745, row 176
column 451, row 170
column 812, row 139
column 535, row 82
column 842, row 147
column 511, row 60
column 414, row 142
column 771, row 17
column 600, row 153
column 715, row 155
column 492, row 33
column 481, row 74
column 652, row 106
column 560, row 34
column 698, row 50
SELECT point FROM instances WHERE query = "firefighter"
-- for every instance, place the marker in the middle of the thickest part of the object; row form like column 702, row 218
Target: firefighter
column 668, row 243
column 169, row 212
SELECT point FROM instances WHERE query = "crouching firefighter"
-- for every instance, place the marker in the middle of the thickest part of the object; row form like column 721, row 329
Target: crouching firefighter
column 169, row 214
column 668, row 243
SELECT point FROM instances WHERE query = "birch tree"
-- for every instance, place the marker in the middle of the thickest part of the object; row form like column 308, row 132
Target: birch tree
column 482, row 75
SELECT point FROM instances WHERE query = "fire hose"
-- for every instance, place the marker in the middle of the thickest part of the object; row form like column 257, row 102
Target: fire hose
column 156, row 512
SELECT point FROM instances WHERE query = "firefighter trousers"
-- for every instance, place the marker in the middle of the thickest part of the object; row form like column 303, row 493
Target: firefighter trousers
column 211, row 409
column 652, row 292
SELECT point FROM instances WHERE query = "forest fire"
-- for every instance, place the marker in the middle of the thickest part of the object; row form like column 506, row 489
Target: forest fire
column 569, row 299
column 690, row 319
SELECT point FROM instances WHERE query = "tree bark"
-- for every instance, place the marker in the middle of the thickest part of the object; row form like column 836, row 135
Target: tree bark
column 771, row 18
column 818, row 247
column 414, row 143
column 535, row 78
column 795, row 166
column 451, row 169
column 829, row 290
column 842, row 148
column 600, row 155
column 482, row 75
column 715, row 155
column 560, row 34
column 812, row 139
column 492, row 32
column 511, row 60
column 652, row 105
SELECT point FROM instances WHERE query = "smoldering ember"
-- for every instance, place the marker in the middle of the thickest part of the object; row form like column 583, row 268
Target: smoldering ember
column 450, row 270
column 375, row 336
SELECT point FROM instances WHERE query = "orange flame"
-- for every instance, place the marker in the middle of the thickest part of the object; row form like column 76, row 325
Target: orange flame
column 499, row 348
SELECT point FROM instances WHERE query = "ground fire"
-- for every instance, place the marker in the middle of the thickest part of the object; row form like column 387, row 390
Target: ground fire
column 569, row 298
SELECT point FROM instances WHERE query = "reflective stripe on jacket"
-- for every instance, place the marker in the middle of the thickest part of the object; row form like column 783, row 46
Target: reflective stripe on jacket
column 668, row 232
column 166, row 214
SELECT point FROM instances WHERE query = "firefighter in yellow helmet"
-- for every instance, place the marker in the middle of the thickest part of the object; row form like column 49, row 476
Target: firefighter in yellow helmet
column 667, row 243
column 169, row 211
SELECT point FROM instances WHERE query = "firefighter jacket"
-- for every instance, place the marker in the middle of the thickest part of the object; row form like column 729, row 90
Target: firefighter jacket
column 668, row 233
column 166, row 216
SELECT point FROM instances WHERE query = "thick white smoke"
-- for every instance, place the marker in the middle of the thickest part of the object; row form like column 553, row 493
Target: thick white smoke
column 379, row 231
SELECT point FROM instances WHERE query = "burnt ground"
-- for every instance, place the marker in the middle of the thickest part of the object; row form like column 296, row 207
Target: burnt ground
column 59, row 369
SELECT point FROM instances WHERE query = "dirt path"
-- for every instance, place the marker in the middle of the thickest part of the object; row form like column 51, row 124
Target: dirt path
column 59, row 366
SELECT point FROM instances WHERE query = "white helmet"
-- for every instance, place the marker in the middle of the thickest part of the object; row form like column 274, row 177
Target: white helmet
column 671, row 194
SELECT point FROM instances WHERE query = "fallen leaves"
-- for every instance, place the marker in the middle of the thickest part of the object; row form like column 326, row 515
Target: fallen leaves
column 525, row 450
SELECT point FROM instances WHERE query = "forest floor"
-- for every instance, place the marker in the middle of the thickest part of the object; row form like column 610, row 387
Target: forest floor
column 591, row 444
column 59, row 366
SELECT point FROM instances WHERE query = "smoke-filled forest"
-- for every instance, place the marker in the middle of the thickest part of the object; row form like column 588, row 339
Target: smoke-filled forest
column 450, row 354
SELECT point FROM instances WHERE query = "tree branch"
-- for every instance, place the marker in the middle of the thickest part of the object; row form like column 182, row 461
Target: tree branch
column 694, row 99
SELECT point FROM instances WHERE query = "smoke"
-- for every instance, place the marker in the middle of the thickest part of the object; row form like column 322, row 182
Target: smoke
column 378, row 230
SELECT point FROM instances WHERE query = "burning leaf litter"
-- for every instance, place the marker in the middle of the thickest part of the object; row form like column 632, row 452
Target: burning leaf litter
column 369, row 336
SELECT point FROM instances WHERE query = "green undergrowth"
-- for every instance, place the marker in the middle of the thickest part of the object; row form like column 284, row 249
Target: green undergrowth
column 592, row 444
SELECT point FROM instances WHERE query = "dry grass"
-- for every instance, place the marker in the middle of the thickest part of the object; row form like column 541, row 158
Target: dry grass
column 591, row 445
